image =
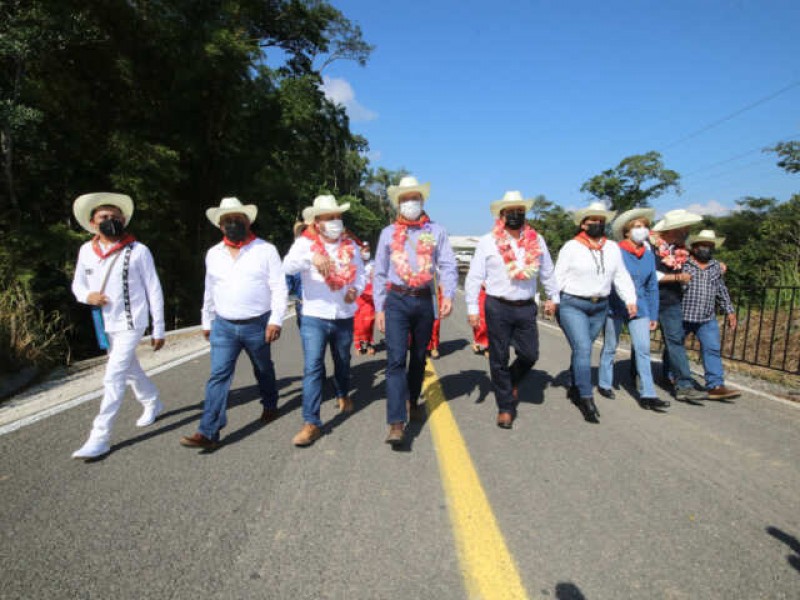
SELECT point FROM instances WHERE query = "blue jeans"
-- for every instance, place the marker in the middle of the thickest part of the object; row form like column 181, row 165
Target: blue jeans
column 581, row 321
column 407, row 317
column 640, row 341
column 316, row 334
column 676, row 362
column 227, row 341
column 710, row 350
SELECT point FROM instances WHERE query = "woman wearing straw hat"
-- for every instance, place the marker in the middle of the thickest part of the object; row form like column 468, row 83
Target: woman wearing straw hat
column 587, row 266
column 410, row 251
column 705, row 291
column 631, row 228
column 116, row 274
column 333, row 277
column 671, row 255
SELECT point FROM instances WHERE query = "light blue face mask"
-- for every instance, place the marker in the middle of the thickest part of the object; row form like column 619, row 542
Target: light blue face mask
column 639, row 234
column 334, row 229
column 411, row 209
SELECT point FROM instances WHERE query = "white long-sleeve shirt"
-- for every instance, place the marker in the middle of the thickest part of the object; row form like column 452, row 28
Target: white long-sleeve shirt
column 584, row 272
column 144, row 295
column 245, row 287
column 488, row 268
column 318, row 299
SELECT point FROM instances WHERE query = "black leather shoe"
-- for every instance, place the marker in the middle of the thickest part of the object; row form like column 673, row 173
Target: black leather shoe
column 606, row 393
column 657, row 404
column 588, row 409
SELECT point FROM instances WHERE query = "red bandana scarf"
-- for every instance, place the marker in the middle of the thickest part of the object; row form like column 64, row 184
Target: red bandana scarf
column 250, row 237
column 590, row 243
column 124, row 241
column 629, row 246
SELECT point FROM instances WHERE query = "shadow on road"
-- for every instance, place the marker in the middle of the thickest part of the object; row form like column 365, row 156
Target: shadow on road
column 568, row 591
column 792, row 542
column 465, row 383
column 452, row 346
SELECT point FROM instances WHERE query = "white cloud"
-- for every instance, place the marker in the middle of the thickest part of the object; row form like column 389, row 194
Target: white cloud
column 711, row 208
column 339, row 91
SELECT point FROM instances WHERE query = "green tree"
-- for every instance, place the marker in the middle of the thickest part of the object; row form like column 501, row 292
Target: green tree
column 788, row 154
column 633, row 182
column 553, row 222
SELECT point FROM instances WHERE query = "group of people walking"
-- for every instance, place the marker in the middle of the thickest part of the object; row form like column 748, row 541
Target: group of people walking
column 596, row 283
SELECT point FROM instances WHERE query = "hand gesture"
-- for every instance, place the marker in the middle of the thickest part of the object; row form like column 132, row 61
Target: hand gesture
column 97, row 299
column 273, row 333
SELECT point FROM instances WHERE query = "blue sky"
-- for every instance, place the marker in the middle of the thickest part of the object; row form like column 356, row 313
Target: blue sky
column 480, row 97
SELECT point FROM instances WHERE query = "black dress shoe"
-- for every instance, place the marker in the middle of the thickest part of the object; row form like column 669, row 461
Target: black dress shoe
column 606, row 393
column 644, row 403
column 657, row 404
column 588, row 409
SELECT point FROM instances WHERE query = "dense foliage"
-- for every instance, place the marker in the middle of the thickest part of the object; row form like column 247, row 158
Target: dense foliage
column 177, row 103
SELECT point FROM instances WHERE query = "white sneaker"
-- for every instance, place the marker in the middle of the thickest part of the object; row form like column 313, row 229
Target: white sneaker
column 150, row 414
column 92, row 449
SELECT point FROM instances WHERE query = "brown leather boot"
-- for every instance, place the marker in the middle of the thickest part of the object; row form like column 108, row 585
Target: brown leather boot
column 396, row 434
column 309, row 434
column 722, row 393
column 345, row 404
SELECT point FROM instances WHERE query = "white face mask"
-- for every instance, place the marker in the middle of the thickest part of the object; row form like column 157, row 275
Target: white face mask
column 333, row 229
column 639, row 234
column 411, row 209
column 365, row 256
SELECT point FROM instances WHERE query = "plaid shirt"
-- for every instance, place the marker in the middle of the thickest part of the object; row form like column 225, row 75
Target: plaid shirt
column 703, row 291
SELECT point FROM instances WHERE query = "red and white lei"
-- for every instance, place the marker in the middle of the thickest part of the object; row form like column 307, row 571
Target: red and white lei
column 344, row 271
column 426, row 242
column 528, row 241
column 673, row 258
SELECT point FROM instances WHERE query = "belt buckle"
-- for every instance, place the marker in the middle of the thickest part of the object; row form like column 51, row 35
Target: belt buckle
column 595, row 299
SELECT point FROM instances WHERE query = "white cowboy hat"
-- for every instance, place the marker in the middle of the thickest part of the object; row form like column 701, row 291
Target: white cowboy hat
column 511, row 198
column 707, row 235
column 231, row 206
column 407, row 185
column 323, row 205
column 676, row 219
column 595, row 209
column 628, row 216
column 84, row 205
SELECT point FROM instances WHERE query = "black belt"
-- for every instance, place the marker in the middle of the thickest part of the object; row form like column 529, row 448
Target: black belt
column 409, row 291
column 592, row 299
column 249, row 321
column 526, row 302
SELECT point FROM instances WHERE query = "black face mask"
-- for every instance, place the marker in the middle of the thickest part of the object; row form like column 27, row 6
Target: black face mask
column 112, row 227
column 703, row 254
column 595, row 230
column 515, row 220
column 235, row 231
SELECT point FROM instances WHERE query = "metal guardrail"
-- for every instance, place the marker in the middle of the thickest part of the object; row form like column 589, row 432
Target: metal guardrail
column 767, row 332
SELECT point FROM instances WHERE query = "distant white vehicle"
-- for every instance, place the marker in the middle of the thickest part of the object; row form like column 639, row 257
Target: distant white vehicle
column 463, row 257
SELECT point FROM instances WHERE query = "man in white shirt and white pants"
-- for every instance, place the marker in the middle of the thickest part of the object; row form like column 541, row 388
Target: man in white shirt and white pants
column 243, row 309
column 509, row 261
column 333, row 277
column 117, row 273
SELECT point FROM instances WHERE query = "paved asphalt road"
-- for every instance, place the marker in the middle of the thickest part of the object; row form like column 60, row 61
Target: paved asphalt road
column 702, row 502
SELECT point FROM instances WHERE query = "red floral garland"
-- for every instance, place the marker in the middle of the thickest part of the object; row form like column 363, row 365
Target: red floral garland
column 672, row 257
column 345, row 272
column 528, row 241
column 426, row 242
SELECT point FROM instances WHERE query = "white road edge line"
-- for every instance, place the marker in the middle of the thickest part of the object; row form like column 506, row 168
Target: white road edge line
column 54, row 410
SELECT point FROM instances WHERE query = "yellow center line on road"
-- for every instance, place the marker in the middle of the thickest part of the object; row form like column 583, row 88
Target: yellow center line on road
column 487, row 565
